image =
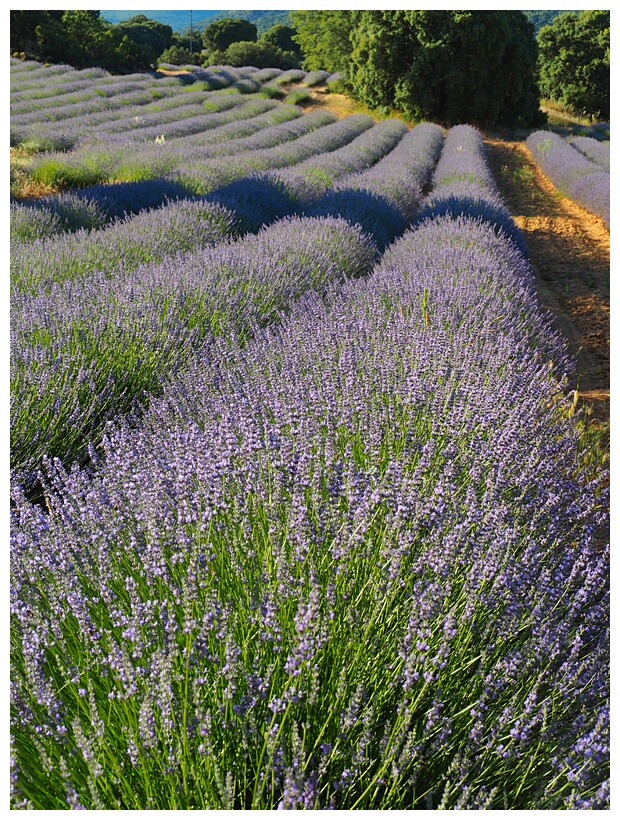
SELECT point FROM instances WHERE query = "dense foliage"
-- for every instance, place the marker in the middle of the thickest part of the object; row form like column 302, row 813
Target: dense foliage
column 83, row 38
column 263, row 54
column 541, row 18
column 263, row 20
column 239, row 47
column 428, row 64
column 574, row 62
column 324, row 38
column 219, row 35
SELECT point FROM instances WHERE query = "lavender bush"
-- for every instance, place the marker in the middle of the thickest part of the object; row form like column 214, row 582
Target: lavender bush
column 293, row 75
column 384, row 198
column 571, row 172
column 464, row 186
column 261, row 199
column 86, row 350
column 148, row 237
column 593, row 149
column 92, row 165
column 352, row 565
column 315, row 77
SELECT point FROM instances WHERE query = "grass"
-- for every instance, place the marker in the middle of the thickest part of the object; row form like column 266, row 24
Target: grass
column 559, row 114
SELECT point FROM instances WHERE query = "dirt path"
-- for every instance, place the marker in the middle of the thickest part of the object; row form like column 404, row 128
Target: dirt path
column 569, row 250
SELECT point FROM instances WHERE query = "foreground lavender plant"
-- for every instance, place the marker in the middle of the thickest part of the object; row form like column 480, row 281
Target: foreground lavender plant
column 353, row 565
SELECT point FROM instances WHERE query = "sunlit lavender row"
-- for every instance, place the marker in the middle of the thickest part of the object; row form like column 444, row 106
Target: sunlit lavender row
column 350, row 563
column 463, row 184
column 71, row 211
column 593, row 149
column 195, row 176
column 75, row 114
column 576, row 176
column 384, row 199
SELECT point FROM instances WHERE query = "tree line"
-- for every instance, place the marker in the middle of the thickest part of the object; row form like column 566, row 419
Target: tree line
column 84, row 38
column 483, row 67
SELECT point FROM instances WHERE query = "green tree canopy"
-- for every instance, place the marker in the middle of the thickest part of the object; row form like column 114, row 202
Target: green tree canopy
column 282, row 37
column 261, row 54
column 219, row 35
column 79, row 38
column 324, row 38
column 574, row 62
column 23, row 27
column 154, row 36
column 446, row 66
column 176, row 55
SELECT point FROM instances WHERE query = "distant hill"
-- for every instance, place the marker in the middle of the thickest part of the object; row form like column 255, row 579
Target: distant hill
column 542, row 18
column 177, row 20
column 263, row 20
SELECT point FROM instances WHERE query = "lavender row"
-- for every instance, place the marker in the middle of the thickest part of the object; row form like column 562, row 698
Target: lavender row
column 44, row 75
column 315, row 78
column 571, row 172
column 85, row 351
column 593, row 149
column 262, row 198
column 463, row 185
column 385, row 198
column 90, row 127
column 95, row 206
column 293, row 75
column 39, row 99
column 147, row 237
column 197, row 177
column 362, row 199
column 103, row 85
column 102, row 109
column 96, row 163
column 67, row 132
column 70, row 212
column 350, row 566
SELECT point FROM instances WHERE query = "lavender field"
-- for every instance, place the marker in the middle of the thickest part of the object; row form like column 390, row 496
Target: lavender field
column 299, row 514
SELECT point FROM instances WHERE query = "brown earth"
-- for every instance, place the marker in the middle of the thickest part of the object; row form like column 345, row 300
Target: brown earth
column 569, row 250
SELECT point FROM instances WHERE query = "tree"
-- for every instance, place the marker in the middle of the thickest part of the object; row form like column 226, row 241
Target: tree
column 260, row 54
column 176, row 55
column 219, row 35
column 446, row 66
column 82, row 38
column 282, row 37
column 23, row 27
column 574, row 62
column 153, row 36
column 324, row 38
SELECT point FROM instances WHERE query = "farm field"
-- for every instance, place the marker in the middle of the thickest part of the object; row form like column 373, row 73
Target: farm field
column 309, row 451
